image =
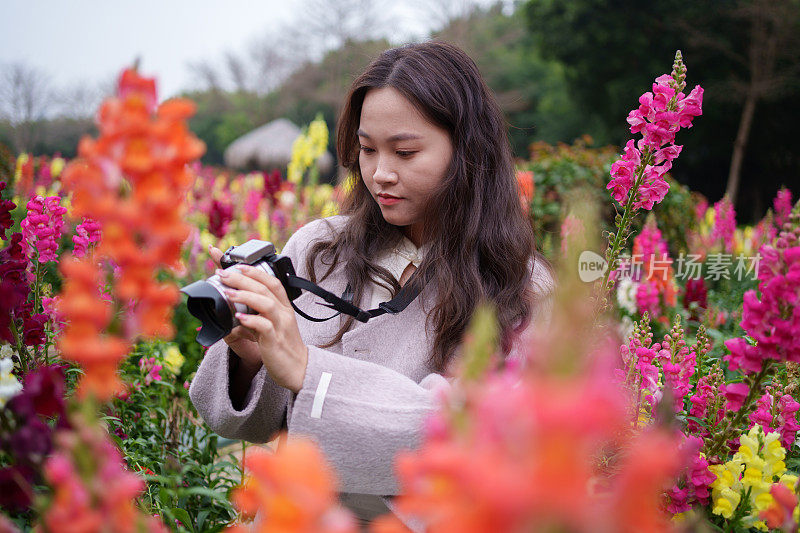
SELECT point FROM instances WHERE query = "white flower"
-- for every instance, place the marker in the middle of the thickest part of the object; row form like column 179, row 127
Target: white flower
column 625, row 327
column 626, row 294
column 9, row 386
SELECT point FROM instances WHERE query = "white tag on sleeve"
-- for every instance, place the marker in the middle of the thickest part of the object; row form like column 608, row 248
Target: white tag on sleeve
column 319, row 396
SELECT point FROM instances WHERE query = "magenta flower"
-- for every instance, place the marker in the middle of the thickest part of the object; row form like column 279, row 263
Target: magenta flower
column 777, row 414
column 220, row 215
column 86, row 234
column 659, row 117
column 696, row 479
column 272, row 184
column 14, row 292
column 707, row 397
column 42, row 227
column 252, row 204
column 647, row 298
column 782, row 205
column 773, row 321
column 724, row 223
column 6, row 207
column 14, row 287
column 697, row 294
column 735, row 393
column 151, row 369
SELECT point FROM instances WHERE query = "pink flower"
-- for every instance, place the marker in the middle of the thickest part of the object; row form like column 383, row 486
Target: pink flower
column 735, row 393
column 696, row 479
column 86, row 234
column 724, row 223
column 659, row 117
column 150, row 369
column 623, row 172
column 773, row 321
column 782, row 205
column 42, row 227
column 691, row 107
column 777, row 414
column 252, row 204
column 700, row 209
column 647, row 298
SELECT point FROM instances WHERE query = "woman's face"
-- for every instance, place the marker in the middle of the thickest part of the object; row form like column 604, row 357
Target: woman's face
column 403, row 157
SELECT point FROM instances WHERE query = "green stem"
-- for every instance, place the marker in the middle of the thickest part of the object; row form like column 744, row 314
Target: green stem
column 755, row 389
column 37, row 296
column 627, row 217
column 38, row 282
column 22, row 350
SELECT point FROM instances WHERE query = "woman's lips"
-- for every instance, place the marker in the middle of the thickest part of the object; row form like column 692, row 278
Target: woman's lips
column 385, row 199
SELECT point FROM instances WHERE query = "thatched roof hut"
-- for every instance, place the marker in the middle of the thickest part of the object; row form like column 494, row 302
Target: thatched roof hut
column 269, row 146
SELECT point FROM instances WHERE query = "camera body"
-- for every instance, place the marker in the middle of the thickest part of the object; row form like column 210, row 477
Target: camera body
column 207, row 300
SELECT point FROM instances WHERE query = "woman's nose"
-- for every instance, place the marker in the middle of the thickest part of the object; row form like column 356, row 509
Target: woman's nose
column 383, row 175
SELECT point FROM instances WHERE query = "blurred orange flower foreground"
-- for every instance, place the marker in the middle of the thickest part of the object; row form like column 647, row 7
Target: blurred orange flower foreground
column 292, row 490
column 132, row 180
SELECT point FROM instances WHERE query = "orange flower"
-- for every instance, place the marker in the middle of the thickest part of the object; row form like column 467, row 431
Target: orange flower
column 526, row 187
column 292, row 490
column 525, row 182
column 132, row 180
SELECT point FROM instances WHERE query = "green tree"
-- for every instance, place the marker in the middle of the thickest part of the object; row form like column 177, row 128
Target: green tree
column 613, row 50
column 531, row 90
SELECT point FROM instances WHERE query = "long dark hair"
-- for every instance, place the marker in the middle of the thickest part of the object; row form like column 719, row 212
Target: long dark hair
column 481, row 241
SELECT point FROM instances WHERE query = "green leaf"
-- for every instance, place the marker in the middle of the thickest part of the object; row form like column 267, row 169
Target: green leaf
column 184, row 517
column 202, row 491
column 201, row 519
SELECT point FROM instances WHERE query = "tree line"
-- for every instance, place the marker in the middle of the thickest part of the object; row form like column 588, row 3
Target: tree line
column 559, row 68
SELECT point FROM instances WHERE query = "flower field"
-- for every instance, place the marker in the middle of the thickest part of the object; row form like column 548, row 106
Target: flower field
column 674, row 408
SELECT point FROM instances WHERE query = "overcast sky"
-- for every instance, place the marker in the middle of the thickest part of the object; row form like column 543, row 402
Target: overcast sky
column 90, row 41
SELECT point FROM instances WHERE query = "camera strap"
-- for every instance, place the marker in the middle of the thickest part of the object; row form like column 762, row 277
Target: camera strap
column 343, row 304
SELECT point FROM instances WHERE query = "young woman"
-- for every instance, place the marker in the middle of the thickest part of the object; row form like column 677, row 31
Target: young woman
column 433, row 202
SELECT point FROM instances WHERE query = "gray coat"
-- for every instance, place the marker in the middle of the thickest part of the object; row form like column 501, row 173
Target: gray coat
column 363, row 400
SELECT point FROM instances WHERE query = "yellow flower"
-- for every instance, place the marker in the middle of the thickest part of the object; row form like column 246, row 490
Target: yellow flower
column 263, row 226
column 329, row 209
column 207, row 238
column 56, row 166
column 321, row 194
column 219, row 185
column 318, row 136
column 790, row 480
column 173, row 359
column 350, row 183
column 709, row 218
column 21, row 160
column 725, row 504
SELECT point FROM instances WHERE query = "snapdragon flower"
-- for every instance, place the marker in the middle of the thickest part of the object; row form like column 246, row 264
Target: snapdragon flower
column 42, row 226
column 661, row 114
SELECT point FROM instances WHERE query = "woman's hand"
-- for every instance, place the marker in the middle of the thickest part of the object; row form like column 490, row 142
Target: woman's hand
column 274, row 327
column 243, row 341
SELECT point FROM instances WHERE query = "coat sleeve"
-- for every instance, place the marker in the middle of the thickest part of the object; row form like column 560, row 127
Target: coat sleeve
column 263, row 412
column 264, row 408
column 362, row 414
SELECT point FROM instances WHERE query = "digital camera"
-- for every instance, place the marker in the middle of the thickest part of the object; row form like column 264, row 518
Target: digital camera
column 207, row 300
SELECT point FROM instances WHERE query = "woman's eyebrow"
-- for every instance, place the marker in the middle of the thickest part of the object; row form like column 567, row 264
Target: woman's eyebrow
column 393, row 138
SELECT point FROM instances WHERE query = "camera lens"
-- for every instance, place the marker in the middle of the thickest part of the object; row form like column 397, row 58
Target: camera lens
column 208, row 303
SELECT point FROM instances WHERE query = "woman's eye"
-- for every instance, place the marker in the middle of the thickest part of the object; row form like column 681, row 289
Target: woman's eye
column 366, row 149
column 406, row 153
